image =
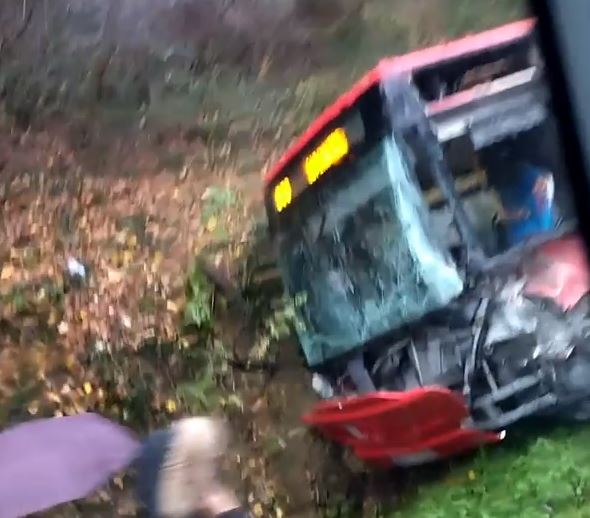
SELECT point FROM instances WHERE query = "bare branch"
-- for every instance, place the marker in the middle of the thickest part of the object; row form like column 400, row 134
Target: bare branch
column 27, row 17
column 7, row 43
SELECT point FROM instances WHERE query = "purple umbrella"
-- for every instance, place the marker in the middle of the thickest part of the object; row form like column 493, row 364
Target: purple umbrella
column 47, row 462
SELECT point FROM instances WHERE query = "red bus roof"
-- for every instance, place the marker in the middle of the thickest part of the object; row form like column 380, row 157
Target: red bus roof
column 399, row 65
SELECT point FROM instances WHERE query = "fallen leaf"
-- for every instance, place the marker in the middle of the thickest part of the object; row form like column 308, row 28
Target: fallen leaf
column 132, row 241
column 127, row 257
column 212, row 224
column 53, row 397
column 258, row 405
column 114, row 276
column 126, row 321
column 121, row 237
column 51, row 321
column 235, row 401
column 265, row 66
column 208, row 194
column 184, row 173
column 41, row 295
column 70, row 361
column 172, row 306
column 87, row 388
column 257, row 510
column 171, row 406
column 33, row 408
column 63, row 328
column 7, row 272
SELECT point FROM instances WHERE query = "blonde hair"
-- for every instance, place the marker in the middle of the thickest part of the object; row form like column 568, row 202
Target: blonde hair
column 191, row 464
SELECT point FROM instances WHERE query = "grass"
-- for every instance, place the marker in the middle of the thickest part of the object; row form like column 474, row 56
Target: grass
column 528, row 476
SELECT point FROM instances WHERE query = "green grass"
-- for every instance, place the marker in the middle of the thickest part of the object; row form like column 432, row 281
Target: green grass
column 528, row 476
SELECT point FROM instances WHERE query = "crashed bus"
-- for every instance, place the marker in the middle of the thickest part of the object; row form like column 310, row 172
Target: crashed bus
column 436, row 321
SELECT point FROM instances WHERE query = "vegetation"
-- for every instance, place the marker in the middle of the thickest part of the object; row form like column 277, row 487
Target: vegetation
column 532, row 475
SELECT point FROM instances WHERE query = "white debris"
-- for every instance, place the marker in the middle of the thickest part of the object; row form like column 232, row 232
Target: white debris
column 76, row 268
column 63, row 328
column 322, row 386
column 126, row 321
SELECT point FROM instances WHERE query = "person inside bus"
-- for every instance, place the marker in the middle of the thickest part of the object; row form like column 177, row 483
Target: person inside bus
column 528, row 203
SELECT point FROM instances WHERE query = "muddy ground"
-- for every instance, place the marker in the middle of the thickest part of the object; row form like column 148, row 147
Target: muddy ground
column 136, row 174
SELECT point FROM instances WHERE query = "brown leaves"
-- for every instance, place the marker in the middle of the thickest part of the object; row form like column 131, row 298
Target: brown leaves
column 172, row 306
column 7, row 272
column 110, row 344
column 136, row 239
column 115, row 276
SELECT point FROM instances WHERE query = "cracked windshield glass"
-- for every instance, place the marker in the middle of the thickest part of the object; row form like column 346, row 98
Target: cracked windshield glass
column 359, row 255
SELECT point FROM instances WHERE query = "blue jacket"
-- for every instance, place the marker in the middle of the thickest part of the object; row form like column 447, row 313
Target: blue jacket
column 538, row 208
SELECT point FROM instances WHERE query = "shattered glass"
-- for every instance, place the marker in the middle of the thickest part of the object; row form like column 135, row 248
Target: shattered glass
column 556, row 333
column 361, row 260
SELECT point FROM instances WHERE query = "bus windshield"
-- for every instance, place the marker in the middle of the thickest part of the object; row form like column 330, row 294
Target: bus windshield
column 358, row 257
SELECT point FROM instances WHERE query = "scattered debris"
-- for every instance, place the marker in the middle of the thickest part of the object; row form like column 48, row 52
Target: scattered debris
column 76, row 268
column 322, row 386
column 63, row 328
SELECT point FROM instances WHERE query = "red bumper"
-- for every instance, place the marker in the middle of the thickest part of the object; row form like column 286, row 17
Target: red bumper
column 401, row 428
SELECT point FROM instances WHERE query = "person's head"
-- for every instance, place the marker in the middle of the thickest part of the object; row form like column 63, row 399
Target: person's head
column 539, row 181
column 544, row 187
column 178, row 467
column 201, row 438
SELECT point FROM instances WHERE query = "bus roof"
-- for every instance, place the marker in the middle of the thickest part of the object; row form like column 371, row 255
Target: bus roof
column 399, row 65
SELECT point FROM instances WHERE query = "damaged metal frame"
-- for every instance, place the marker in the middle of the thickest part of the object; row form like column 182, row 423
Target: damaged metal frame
column 491, row 405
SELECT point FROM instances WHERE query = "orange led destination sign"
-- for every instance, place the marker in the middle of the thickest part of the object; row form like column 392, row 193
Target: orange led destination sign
column 329, row 153
column 283, row 194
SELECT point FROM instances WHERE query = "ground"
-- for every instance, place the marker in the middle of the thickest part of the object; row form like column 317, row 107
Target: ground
column 139, row 197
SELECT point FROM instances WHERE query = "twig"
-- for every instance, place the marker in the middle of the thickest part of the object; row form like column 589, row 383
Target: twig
column 252, row 366
column 223, row 284
column 6, row 43
column 27, row 17
column 100, row 71
column 46, row 15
